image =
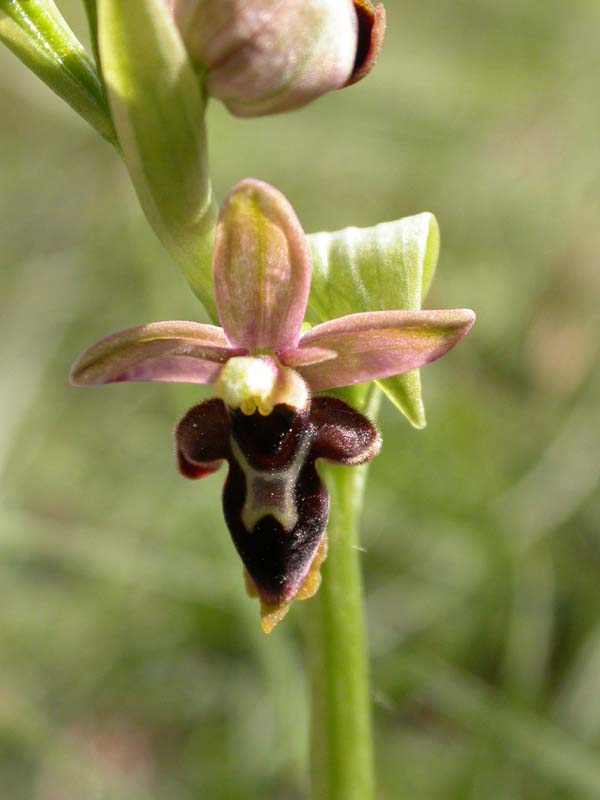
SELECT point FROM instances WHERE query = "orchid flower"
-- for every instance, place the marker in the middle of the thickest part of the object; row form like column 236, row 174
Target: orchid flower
column 264, row 420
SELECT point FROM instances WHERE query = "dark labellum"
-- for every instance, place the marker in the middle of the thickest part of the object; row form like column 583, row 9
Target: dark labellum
column 275, row 504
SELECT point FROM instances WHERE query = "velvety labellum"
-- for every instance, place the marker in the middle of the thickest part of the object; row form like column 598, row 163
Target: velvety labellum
column 276, row 505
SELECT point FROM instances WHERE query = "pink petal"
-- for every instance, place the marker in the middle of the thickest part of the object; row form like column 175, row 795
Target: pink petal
column 303, row 356
column 379, row 344
column 261, row 268
column 184, row 352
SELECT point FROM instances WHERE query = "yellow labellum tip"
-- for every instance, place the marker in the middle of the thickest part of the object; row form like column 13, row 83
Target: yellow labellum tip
column 270, row 615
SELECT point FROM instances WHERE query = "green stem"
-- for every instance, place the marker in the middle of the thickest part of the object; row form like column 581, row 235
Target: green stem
column 341, row 741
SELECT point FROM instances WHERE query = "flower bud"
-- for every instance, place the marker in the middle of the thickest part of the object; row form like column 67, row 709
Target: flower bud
column 266, row 56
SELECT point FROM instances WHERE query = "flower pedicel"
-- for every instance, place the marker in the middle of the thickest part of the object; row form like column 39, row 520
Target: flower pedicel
column 264, row 420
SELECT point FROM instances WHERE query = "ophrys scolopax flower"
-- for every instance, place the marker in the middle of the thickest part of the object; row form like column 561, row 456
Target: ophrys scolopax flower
column 264, row 420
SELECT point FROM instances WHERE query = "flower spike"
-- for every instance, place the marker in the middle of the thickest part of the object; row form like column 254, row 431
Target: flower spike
column 263, row 421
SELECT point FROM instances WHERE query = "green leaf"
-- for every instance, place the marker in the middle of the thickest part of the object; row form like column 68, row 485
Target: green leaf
column 38, row 35
column 158, row 104
column 389, row 266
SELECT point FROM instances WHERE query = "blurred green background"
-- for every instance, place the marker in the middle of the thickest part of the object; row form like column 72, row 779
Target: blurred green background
column 132, row 665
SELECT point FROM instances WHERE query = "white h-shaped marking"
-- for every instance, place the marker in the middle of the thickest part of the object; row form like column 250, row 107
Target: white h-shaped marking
column 271, row 491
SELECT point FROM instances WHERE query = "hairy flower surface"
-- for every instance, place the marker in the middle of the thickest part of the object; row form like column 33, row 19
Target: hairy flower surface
column 264, row 421
column 266, row 56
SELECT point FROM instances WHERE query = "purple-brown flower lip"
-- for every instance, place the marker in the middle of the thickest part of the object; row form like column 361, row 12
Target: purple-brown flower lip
column 275, row 503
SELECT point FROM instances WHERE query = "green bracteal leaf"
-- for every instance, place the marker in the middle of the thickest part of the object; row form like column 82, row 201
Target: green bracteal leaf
column 389, row 266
